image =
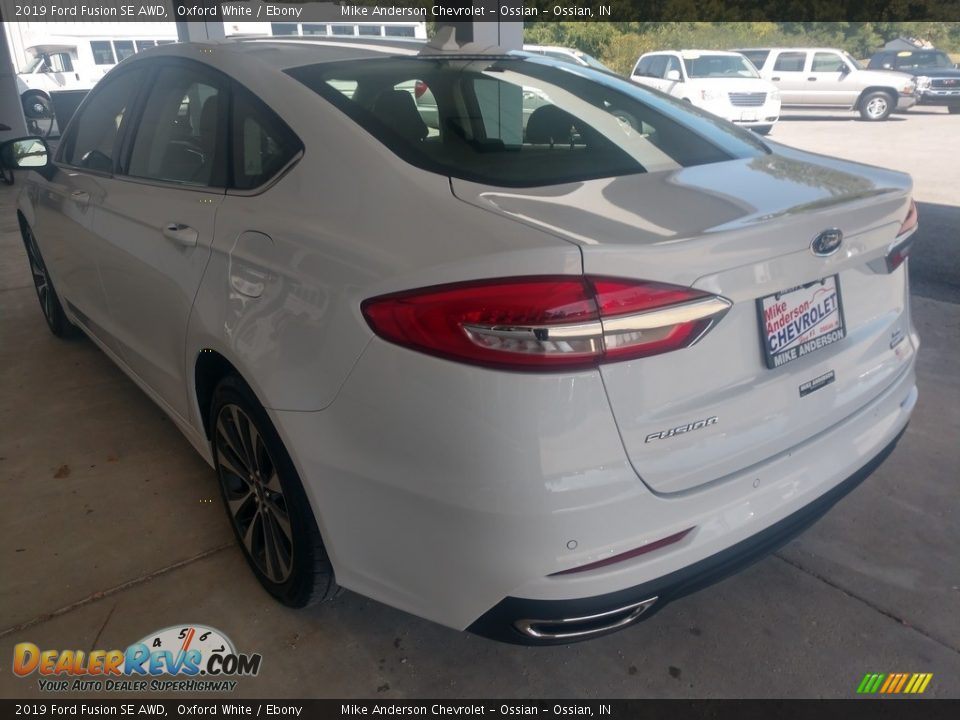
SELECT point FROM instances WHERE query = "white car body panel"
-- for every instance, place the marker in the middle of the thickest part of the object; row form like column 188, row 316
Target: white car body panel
column 442, row 488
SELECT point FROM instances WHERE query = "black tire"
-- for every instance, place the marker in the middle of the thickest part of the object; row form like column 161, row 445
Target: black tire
column 953, row 109
column 876, row 106
column 762, row 129
column 46, row 293
column 38, row 112
column 265, row 500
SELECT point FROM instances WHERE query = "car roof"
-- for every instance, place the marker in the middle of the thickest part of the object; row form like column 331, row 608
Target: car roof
column 694, row 52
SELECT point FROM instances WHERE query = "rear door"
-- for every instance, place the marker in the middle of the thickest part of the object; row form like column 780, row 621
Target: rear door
column 156, row 220
column 787, row 73
column 830, row 81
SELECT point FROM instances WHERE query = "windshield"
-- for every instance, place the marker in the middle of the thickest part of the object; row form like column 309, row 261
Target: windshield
column 522, row 122
column 718, row 66
column 923, row 59
column 34, row 65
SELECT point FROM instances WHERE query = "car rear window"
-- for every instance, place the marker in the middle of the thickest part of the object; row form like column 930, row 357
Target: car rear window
column 522, row 122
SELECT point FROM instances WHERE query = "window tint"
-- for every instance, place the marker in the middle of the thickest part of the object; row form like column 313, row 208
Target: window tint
column 124, row 49
column 400, row 31
column 790, row 62
column 643, row 67
column 673, row 63
column 658, row 66
column 102, row 52
column 522, row 122
column 314, row 29
column 145, row 44
column 370, row 30
column 827, row 62
column 180, row 137
column 757, row 57
column 283, row 29
column 342, row 29
column 262, row 143
column 91, row 136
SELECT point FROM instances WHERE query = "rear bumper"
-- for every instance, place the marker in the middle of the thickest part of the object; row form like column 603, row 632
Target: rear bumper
column 553, row 622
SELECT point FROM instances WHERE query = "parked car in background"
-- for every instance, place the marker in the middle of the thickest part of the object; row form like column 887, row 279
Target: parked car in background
column 827, row 78
column 938, row 79
column 570, row 55
column 723, row 83
column 532, row 383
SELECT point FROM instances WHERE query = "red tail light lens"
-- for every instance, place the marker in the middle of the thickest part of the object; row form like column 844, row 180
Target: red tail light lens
column 419, row 88
column 544, row 323
column 904, row 243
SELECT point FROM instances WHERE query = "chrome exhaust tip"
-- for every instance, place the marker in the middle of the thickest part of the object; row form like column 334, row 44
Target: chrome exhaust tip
column 580, row 628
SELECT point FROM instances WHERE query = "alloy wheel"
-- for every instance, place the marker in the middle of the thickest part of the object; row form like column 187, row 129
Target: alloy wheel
column 40, row 279
column 877, row 107
column 253, row 493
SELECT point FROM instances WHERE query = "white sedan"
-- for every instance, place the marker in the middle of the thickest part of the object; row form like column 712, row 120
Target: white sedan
column 724, row 83
column 533, row 374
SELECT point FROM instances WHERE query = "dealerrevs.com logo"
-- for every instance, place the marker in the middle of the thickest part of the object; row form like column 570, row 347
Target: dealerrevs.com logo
column 185, row 658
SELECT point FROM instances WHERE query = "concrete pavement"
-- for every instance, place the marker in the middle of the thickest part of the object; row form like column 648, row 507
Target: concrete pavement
column 111, row 528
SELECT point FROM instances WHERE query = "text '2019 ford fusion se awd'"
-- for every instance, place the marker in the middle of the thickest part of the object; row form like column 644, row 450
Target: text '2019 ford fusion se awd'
column 508, row 343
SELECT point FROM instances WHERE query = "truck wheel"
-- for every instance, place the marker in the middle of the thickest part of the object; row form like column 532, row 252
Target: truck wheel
column 36, row 106
column 762, row 129
column 876, row 106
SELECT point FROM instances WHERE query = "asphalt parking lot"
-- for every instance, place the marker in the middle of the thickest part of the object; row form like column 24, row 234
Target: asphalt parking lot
column 111, row 526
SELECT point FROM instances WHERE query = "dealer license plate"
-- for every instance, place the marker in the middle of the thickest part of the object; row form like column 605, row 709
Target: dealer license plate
column 748, row 116
column 801, row 320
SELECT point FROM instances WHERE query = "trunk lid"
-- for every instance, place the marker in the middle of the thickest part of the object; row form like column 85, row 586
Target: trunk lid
column 743, row 230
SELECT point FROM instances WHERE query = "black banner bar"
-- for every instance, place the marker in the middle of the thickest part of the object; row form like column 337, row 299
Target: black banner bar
column 617, row 11
column 868, row 709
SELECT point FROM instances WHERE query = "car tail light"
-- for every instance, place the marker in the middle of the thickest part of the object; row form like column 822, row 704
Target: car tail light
column 904, row 243
column 545, row 322
column 419, row 88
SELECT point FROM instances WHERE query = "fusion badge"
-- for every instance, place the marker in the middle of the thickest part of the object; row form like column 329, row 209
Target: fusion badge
column 679, row 430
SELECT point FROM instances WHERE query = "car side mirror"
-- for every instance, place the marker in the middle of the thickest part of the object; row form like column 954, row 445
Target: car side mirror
column 674, row 76
column 26, row 152
column 844, row 70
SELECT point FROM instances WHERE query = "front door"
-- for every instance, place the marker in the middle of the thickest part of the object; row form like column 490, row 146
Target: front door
column 829, row 81
column 788, row 75
column 157, row 221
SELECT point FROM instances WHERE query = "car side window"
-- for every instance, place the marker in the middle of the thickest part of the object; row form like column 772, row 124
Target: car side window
column 757, row 57
column 658, row 66
column 673, row 63
column 91, row 137
column 790, row 62
column 827, row 62
column 643, row 67
column 262, row 142
column 102, row 52
column 182, row 131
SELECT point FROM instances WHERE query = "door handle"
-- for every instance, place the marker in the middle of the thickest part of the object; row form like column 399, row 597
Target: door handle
column 80, row 196
column 811, row 79
column 777, row 77
column 181, row 234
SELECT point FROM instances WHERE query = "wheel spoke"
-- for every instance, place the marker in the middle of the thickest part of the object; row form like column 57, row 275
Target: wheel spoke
column 275, row 551
column 231, row 439
column 242, row 425
column 279, row 517
column 236, row 505
column 272, row 483
column 250, row 532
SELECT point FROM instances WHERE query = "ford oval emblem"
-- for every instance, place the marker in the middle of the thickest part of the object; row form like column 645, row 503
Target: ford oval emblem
column 827, row 242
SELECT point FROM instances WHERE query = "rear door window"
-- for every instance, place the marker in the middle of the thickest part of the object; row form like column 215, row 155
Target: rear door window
column 182, row 131
column 790, row 62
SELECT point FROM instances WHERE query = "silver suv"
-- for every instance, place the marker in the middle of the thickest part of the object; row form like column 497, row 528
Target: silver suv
column 831, row 78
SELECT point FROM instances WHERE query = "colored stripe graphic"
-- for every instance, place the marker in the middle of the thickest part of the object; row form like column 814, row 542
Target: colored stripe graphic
column 894, row 683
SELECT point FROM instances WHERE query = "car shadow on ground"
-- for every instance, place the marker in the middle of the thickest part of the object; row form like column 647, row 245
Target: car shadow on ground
column 840, row 116
column 935, row 257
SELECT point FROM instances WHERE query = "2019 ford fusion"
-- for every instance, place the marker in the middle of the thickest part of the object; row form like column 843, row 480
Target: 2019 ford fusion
column 529, row 373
